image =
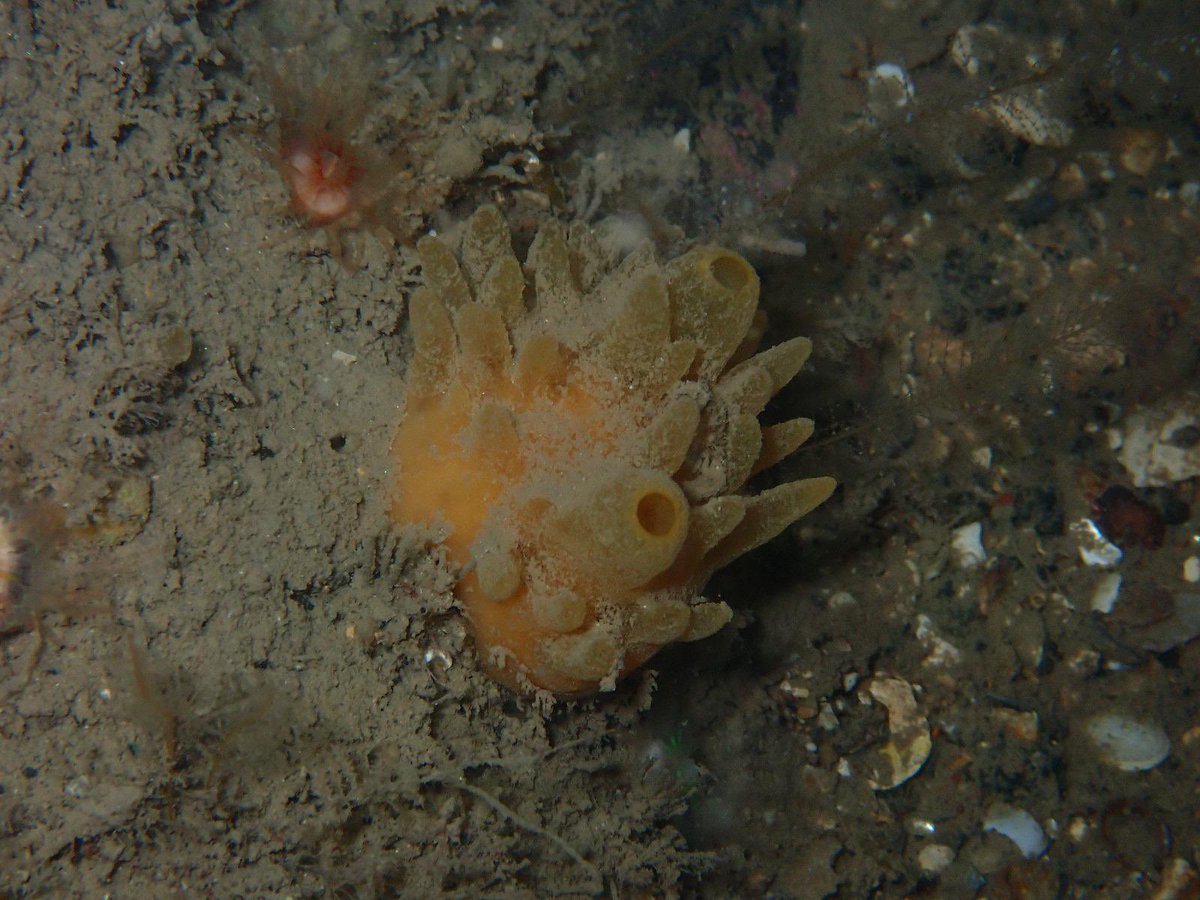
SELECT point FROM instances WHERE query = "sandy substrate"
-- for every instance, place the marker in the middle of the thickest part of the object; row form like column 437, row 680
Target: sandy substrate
column 235, row 678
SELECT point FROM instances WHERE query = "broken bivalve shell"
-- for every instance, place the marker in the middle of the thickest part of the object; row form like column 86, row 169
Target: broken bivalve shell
column 1128, row 744
column 1019, row 827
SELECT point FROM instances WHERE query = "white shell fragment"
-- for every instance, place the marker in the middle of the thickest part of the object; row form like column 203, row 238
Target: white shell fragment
column 774, row 244
column 941, row 651
column 1128, row 744
column 962, row 50
column 890, row 83
column 1024, row 115
column 1158, row 446
column 1108, row 589
column 909, row 741
column 1019, row 827
column 1094, row 548
column 1191, row 569
column 967, row 544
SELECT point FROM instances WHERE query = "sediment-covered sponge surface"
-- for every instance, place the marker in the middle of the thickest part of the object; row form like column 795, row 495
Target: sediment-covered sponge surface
column 581, row 430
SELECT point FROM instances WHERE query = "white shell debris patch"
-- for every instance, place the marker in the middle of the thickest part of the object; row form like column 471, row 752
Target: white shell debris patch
column 1128, row 744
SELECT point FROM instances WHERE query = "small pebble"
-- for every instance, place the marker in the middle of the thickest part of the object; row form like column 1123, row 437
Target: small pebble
column 910, row 741
column 1021, row 725
column 1140, row 150
column 1191, row 569
column 1127, row 520
column 935, row 858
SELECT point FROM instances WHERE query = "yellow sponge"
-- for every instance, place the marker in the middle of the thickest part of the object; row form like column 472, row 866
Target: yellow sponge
column 583, row 429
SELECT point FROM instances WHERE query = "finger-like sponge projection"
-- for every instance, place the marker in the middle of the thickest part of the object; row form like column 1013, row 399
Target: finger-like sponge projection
column 582, row 431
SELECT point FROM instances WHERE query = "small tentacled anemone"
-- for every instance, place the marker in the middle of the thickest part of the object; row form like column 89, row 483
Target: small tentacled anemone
column 334, row 183
column 584, row 435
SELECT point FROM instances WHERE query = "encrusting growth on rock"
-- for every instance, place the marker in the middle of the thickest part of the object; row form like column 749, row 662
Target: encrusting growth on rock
column 585, row 433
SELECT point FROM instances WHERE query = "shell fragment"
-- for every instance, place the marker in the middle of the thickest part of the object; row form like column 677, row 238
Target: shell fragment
column 909, row 741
